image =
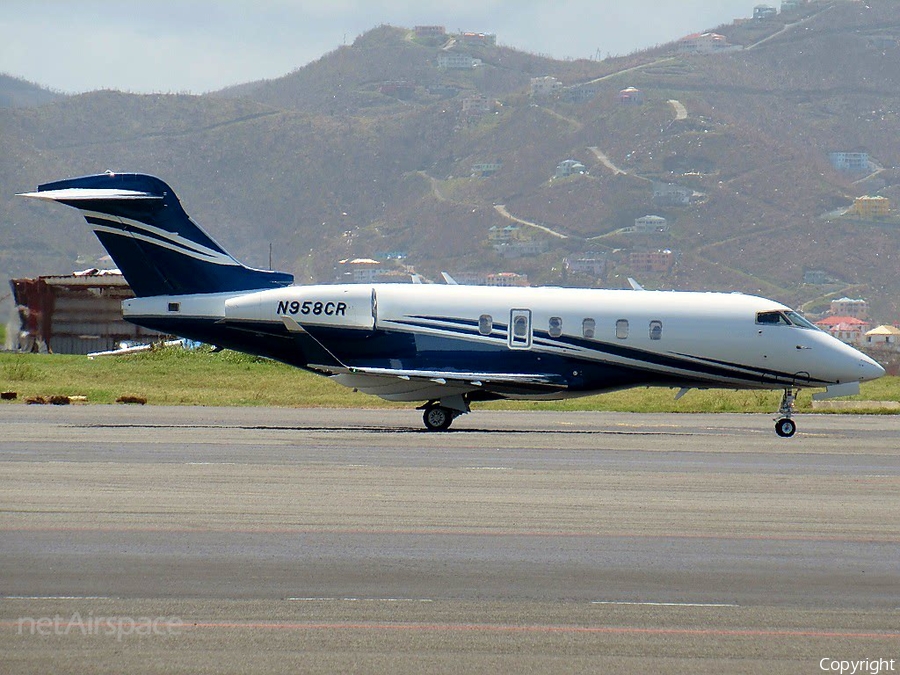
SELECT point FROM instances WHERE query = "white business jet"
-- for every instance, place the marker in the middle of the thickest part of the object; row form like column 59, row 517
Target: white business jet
column 448, row 346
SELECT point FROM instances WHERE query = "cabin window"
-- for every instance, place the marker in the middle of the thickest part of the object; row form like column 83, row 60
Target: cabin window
column 174, row 306
column 656, row 330
column 622, row 329
column 485, row 324
column 772, row 319
column 588, row 326
column 520, row 326
column 555, row 329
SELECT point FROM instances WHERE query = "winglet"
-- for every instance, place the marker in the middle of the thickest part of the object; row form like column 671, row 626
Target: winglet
column 635, row 286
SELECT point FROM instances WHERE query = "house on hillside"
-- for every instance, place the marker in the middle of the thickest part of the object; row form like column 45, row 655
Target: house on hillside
column 442, row 90
column 514, row 241
column 485, row 169
column 764, row 12
column 671, row 194
column 475, row 105
column 792, row 5
column 815, row 277
column 369, row 271
column 504, row 235
column 578, row 93
column 648, row 225
column 545, row 87
column 590, row 263
column 705, row 43
column 850, row 162
column 506, row 279
column 457, row 61
column 430, row 31
column 855, row 307
column 569, row 167
column 489, row 39
column 870, row 208
column 883, row 336
column 358, row 271
column 847, row 329
column 631, row 96
column 651, row 262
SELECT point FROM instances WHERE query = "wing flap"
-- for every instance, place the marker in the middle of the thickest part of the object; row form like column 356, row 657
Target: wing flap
column 394, row 384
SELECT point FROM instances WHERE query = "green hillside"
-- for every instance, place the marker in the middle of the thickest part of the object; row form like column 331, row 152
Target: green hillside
column 368, row 150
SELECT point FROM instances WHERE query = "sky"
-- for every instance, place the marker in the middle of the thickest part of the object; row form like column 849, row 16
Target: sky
column 196, row 46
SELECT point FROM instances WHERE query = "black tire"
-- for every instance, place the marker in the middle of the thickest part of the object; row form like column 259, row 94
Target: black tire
column 785, row 427
column 438, row 418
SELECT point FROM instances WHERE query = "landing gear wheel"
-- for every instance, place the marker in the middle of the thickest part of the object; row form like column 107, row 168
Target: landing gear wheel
column 438, row 418
column 785, row 427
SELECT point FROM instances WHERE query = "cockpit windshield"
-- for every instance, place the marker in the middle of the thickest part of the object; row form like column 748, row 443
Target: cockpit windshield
column 788, row 318
column 801, row 321
column 772, row 319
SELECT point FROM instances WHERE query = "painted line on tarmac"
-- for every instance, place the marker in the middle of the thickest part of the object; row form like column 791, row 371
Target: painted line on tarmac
column 549, row 629
column 711, row 605
column 455, row 532
column 56, row 597
column 335, row 599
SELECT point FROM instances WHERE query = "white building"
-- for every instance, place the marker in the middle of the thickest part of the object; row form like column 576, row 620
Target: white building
column 648, row 225
column 506, row 279
column 457, row 61
column 545, row 87
column 706, row 43
column 570, row 167
column 669, row 193
column 887, row 337
column 358, row 271
column 858, row 308
column 590, row 263
column 476, row 104
column 851, row 162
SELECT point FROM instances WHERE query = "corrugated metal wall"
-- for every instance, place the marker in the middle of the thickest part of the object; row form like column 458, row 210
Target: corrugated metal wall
column 84, row 312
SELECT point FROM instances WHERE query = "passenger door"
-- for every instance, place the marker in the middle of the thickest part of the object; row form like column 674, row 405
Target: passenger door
column 520, row 329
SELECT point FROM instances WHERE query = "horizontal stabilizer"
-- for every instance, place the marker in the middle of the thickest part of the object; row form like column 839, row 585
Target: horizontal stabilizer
column 89, row 194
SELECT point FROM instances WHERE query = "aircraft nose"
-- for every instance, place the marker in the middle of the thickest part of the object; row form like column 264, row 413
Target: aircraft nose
column 869, row 369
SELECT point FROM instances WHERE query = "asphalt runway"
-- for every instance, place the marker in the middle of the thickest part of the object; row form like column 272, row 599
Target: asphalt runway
column 215, row 540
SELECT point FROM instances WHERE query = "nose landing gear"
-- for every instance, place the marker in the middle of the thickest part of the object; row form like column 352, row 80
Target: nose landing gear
column 785, row 426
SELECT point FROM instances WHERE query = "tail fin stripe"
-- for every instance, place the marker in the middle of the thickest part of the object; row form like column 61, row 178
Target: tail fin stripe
column 213, row 258
column 155, row 235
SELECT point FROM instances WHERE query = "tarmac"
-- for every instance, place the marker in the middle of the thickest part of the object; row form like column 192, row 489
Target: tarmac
column 258, row 540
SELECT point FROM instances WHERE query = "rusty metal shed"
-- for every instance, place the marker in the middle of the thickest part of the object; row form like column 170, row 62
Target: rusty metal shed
column 74, row 314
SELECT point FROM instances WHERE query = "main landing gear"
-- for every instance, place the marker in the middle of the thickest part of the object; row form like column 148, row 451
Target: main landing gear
column 785, row 426
column 438, row 418
column 439, row 415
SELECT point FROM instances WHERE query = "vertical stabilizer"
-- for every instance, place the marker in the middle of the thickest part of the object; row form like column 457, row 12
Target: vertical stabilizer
column 155, row 244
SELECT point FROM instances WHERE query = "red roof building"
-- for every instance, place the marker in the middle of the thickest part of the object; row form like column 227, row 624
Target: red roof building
column 845, row 328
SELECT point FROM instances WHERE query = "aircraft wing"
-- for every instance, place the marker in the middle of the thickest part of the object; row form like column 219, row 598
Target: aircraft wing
column 400, row 384
column 396, row 384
